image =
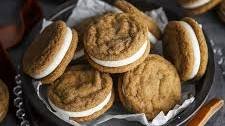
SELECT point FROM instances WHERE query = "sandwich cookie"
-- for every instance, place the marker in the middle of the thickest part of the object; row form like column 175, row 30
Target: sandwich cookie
column 150, row 88
column 154, row 32
column 196, row 7
column 49, row 54
column 221, row 11
column 4, row 100
column 185, row 46
column 116, row 43
column 81, row 93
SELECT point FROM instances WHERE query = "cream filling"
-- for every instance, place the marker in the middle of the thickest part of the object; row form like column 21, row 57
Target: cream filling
column 152, row 38
column 125, row 61
column 81, row 113
column 195, row 46
column 58, row 57
column 196, row 4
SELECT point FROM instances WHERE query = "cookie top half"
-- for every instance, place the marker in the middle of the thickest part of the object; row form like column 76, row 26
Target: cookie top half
column 114, row 36
column 80, row 88
column 151, row 87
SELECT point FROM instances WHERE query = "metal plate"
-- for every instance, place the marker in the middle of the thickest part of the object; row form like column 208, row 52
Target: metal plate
column 201, row 88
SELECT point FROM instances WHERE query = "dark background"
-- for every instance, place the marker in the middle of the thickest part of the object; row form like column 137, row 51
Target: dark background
column 214, row 28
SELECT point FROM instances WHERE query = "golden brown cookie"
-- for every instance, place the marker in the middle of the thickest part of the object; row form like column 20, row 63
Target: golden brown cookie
column 196, row 7
column 221, row 11
column 151, row 24
column 82, row 93
column 116, row 41
column 150, row 88
column 4, row 100
column 49, row 54
column 185, row 46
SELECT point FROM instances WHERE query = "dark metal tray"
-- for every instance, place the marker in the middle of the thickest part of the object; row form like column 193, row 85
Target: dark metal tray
column 202, row 86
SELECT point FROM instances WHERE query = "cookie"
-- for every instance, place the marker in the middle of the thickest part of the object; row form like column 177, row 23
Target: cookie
column 81, row 93
column 116, row 43
column 150, row 88
column 185, row 46
column 196, row 7
column 49, row 54
column 154, row 33
column 4, row 100
column 221, row 11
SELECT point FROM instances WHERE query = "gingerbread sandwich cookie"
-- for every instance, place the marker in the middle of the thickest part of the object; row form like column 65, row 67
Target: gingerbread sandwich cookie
column 196, row 7
column 116, row 42
column 185, row 46
column 81, row 93
column 49, row 54
column 154, row 33
column 150, row 88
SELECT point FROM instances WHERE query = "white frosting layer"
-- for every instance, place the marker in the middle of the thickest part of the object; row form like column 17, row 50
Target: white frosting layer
column 195, row 46
column 125, row 61
column 82, row 113
column 152, row 38
column 195, row 4
column 78, row 54
column 58, row 57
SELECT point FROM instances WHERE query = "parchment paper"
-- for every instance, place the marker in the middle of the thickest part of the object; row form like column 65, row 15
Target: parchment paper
column 89, row 8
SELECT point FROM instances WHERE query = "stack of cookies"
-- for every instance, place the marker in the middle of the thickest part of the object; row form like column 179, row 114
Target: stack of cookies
column 116, row 43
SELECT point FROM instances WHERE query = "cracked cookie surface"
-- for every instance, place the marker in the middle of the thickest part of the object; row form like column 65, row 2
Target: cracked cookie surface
column 129, row 8
column 82, row 88
column 114, row 36
column 151, row 87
